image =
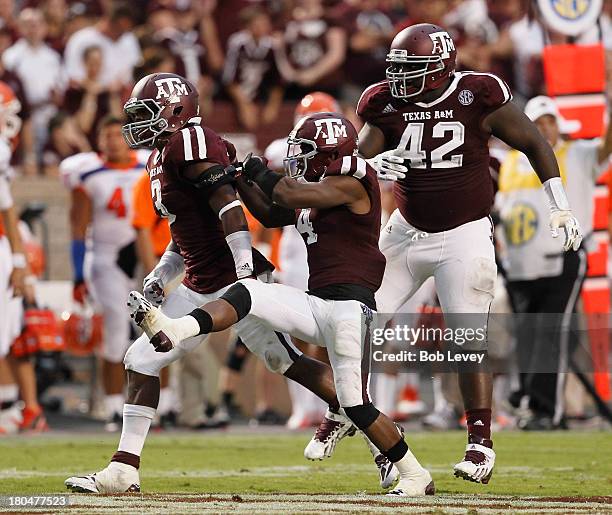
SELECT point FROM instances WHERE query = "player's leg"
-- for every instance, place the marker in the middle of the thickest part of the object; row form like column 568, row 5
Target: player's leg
column 108, row 287
column 143, row 365
column 465, row 281
column 347, row 329
column 229, row 377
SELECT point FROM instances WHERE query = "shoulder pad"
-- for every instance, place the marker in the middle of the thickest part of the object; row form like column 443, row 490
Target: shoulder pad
column 74, row 167
column 196, row 143
column 373, row 100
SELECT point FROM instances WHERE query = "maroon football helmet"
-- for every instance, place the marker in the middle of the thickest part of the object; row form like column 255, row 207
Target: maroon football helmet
column 316, row 141
column 160, row 103
column 421, row 58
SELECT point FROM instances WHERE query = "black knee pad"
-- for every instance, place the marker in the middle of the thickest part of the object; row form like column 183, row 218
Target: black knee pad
column 363, row 416
column 236, row 356
column 240, row 298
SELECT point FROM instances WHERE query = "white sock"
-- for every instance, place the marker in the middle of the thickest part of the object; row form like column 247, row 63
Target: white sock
column 186, row 327
column 409, row 466
column 297, row 393
column 113, row 403
column 136, row 422
column 165, row 401
column 9, row 392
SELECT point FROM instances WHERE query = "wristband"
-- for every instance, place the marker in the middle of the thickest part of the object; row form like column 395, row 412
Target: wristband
column 557, row 199
column 78, row 257
column 19, row 260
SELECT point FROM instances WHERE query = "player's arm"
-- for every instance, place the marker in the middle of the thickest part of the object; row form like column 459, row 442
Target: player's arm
column 605, row 149
column 217, row 187
column 390, row 165
column 169, row 267
column 262, row 207
column 330, row 192
column 511, row 125
column 80, row 218
column 19, row 274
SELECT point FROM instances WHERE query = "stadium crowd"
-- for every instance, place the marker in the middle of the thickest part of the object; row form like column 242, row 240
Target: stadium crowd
column 72, row 65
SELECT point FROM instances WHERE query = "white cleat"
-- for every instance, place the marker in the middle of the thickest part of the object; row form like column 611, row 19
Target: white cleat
column 415, row 485
column 115, row 479
column 333, row 428
column 160, row 329
column 477, row 464
column 387, row 470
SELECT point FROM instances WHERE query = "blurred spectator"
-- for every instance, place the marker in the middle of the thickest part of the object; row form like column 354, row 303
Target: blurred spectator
column 7, row 17
column 370, row 30
column 65, row 139
column 195, row 49
column 90, row 99
column 39, row 69
column 113, row 35
column 251, row 76
column 313, row 50
column 423, row 11
column 55, row 15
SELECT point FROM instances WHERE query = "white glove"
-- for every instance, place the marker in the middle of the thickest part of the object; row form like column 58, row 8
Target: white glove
column 390, row 165
column 573, row 232
column 170, row 266
column 153, row 289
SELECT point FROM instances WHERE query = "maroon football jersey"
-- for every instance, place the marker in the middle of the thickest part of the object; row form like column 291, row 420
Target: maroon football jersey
column 343, row 246
column 195, row 228
column 448, row 183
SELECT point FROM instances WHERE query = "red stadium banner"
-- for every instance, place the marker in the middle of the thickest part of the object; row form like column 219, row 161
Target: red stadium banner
column 576, row 77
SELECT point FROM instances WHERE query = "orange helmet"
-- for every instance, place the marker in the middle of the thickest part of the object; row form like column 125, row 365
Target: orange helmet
column 41, row 332
column 10, row 123
column 316, row 102
column 82, row 331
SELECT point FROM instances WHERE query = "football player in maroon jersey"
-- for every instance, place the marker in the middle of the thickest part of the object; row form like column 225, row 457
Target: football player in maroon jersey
column 337, row 210
column 432, row 125
column 210, row 242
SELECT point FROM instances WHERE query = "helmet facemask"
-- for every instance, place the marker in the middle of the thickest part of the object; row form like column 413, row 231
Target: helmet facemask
column 299, row 151
column 407, row 74
column 145, row 122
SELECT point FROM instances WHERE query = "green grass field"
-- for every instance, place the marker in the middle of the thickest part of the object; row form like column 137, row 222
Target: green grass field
column 549, row 465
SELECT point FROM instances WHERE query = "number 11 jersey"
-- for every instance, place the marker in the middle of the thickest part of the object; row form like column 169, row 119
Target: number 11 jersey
column 448, row 183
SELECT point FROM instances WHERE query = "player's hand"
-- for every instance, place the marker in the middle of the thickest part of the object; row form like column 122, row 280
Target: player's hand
column 253, row 166
column 79, row 291
column 153, row 289
column 18, row 281
column 571, row 226
column 390, row 165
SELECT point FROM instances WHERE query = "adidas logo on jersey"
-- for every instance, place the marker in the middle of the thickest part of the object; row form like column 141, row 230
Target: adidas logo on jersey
column 389, row 109
column 478, row 423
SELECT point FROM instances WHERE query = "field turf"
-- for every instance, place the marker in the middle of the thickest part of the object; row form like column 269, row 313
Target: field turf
column 245, row 472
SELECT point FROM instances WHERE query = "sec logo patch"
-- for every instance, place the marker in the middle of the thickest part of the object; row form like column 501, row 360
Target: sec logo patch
column 466, row 97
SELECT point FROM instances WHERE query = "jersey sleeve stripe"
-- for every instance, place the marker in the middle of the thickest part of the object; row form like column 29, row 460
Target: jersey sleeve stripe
column 505, row 90
column 347, row 165
column 201, row 142
column 361, row 168
column 187, row 144
column 365, row 91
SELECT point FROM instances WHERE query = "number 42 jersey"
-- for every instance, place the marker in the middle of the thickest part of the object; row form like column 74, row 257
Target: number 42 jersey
column 448, row 183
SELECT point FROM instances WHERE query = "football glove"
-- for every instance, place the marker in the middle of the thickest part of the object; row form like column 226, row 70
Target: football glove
column 153, row 290
column 170, row 266
column 566, row 220
column 390, row 165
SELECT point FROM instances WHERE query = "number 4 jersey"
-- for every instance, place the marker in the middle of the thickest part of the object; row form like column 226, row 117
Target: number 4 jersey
column 343, row 255
column 109, row 188
column 448, row 183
